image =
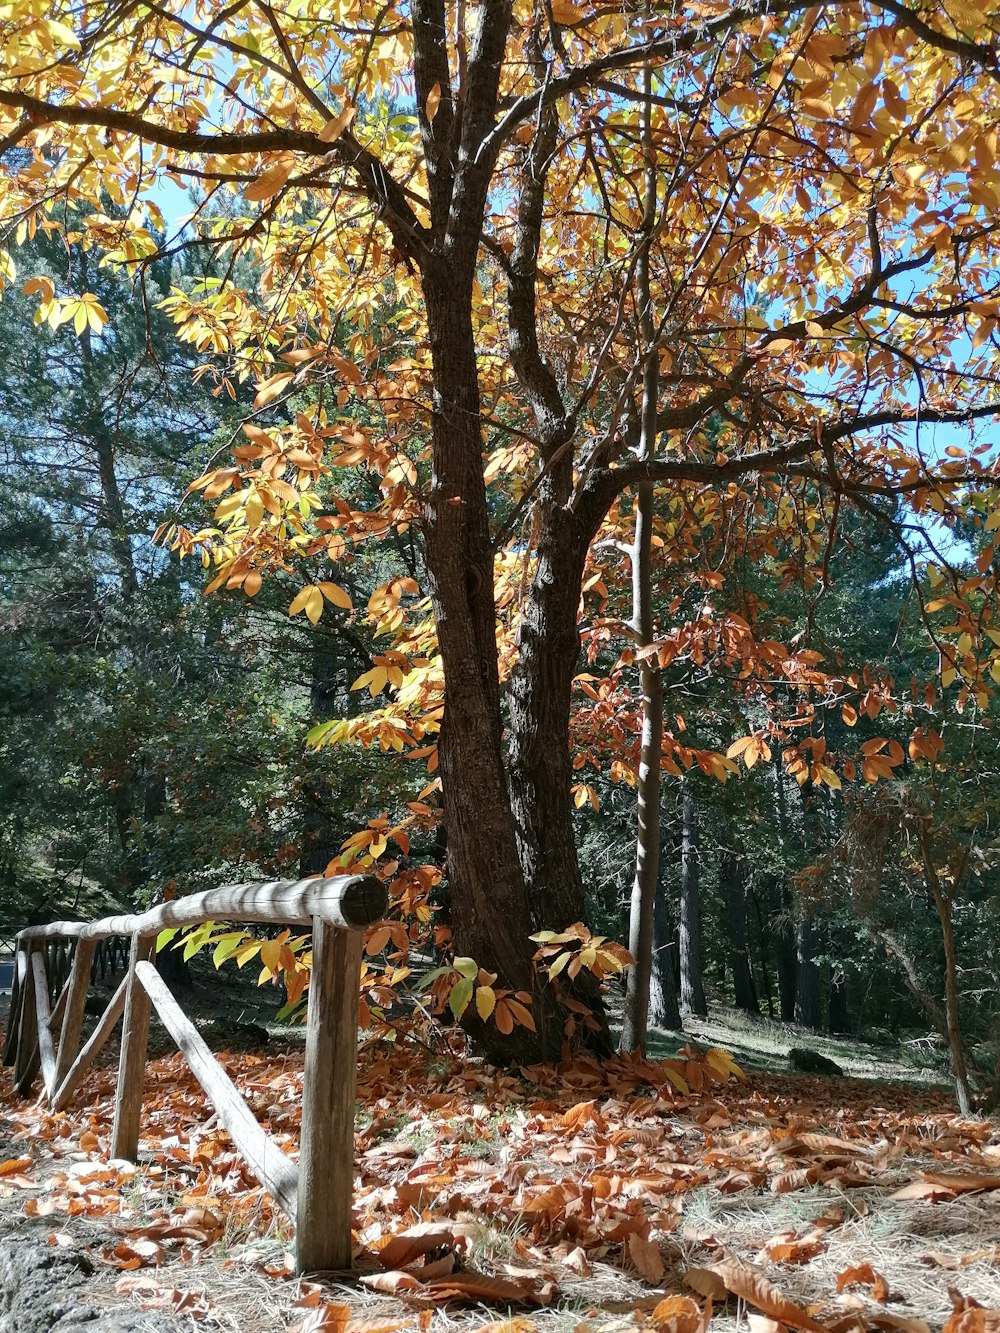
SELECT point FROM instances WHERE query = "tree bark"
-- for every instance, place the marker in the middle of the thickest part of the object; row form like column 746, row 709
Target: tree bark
column 647, row 850
column 734, row 888
column 808, row 1005
column 511, row 859
column 808, row 1009
column 944, row 902
column 689, row 932
column 787, row 961
column 765, row 975
column 839, row 1017
column 785, row 935
column 663, row 988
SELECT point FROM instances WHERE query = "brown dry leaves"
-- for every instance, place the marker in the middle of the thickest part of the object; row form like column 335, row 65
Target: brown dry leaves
column 473, row 1191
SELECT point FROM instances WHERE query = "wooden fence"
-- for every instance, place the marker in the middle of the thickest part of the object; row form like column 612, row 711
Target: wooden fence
column 45, row 1035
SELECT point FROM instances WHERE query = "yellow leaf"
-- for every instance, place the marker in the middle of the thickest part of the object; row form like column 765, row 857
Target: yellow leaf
column 268, row 185
column 310, row 600
column 337, row 595
column 433, row 102
column 486, row 1001
column 255, row 510
column 565, row 12
column 334, row 128
column 270, row 952
column 63, row 34
column 268, row 389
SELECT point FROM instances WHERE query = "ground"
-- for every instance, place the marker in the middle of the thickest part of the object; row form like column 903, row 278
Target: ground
column 586, row 1198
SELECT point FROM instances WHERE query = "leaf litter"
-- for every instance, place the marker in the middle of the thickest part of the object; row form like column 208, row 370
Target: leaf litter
column 592, row 1200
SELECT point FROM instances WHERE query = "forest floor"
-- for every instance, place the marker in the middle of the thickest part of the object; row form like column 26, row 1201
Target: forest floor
column 572, row 1202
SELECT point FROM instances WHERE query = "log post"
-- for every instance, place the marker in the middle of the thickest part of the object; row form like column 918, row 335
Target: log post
column 326, row 1161
column 95, row 1044
column 76, row 999
column 132, row 1063
column 46, row 1047
column 16, row 1004
column 26, row 1055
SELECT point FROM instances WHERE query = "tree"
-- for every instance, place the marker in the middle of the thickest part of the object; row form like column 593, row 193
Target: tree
column 504, row 218
column 689, row 934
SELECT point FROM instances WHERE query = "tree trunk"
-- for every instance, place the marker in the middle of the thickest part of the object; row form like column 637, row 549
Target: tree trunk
column 511, row 859
column 320, row 840
column 785, row 934
column 689, row 933
column 808, row 1006
column 787, row 962
column 765, row 975
column 808, row 1010
column 838, row 1018
column 734, row 888
column 663, row 1010
column 943, row 902
column 647, row 852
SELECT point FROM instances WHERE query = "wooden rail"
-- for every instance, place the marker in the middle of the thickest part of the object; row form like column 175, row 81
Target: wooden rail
column 53, row 965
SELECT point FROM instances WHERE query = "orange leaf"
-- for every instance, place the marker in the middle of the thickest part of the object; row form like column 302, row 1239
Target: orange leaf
column 866, row 1276
column 14, row 1166
column 326, row 1317
column 752, row 1286
column 646, row 1258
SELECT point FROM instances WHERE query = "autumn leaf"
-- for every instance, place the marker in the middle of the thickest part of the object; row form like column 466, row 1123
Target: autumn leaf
column 864, row 1275
column 335, row 127
column 310, row 600
column 750, row 1285
column 646, row 1258
column 270, row 181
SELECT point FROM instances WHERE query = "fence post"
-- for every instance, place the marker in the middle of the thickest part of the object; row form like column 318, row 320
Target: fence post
column 16, row 1004
column 326, row 1160
column 72, row 1024
column 132, row 1063
column 26, row 1060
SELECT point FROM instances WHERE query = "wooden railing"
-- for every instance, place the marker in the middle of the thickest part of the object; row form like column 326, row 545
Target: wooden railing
column 45, row 1031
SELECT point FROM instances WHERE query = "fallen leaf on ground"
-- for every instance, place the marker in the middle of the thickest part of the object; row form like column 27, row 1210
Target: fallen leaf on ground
column 142, row 1254
column 330, row 1318
column 903, row 1323
column 706, row 1282
column 762, row 1323
column 14, row 1166
column 154, row 1296
column 479, row 1287
column 787, row 1248
column 968, row 1316
column 926, row 1190
column 864, row 1275
column 752, row 1286
column 392, row 1284
column 400, row 1250
column 680, row 1314
column 962, row 1182
column 646, row 1258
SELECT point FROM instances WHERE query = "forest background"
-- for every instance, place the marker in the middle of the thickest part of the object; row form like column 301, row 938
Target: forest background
column 159, row 740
